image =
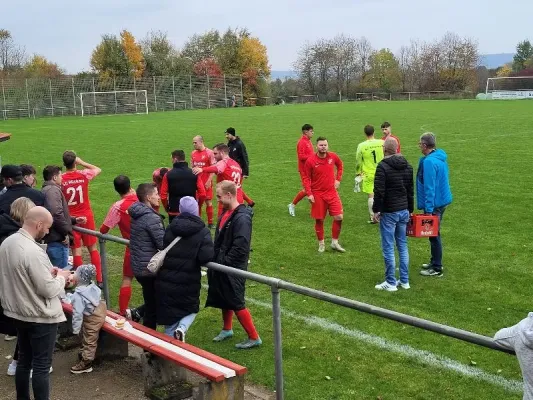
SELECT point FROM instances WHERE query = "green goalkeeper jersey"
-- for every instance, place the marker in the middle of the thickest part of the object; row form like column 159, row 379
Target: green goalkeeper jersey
column 369, row 154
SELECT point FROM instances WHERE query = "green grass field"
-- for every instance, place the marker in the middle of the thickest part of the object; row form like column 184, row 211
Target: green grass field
column 485, row 235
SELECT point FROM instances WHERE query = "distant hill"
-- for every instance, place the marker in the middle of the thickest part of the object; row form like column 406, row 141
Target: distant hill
column 496, row 60
column 487, row 60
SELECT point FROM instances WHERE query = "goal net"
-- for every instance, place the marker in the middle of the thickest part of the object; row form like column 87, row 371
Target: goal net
column 509, row 88
column 115, row 102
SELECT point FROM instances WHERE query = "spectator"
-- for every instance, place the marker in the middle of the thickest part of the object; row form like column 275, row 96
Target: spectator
column 146, row 239
column 58, row 239
column 179, row 182
column 232, row 248
column 157, row 178
column 29, row 293
column 433, row 194
column 237, row 151
column 519, row 338
column 10, row 224
column 28, row 175
column 88, row 315
column 13, row 179
column 178, row 281
column 393, row 203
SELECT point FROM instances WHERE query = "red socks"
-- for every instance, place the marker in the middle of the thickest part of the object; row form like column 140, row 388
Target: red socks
column 227, row 316
column 247, row 198
column 124, row 297
column 209, row 212
column 245, row 318
column 336, row 229
column 299, row 197
column 319, row 229
column 78, row 260
column 95, row 260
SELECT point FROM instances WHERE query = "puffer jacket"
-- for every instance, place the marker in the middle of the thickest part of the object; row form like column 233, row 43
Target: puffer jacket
column 8, row 226
column 232, row 248
column 178, row 281
column 146, row 238
column 393, row 185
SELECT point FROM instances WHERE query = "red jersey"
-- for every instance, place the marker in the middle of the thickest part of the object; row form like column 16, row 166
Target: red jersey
column 228, row 169
column 304, row 150
column 397, row 141
column 320, row 176
column 202, row 159
column 118, row 215
column 75, row 187
column 156, row 177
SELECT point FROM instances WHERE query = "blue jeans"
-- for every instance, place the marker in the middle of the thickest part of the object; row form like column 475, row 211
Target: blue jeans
column 435, row 243
column 58, row 254
column 184, row 323
column 392, row 227
column 36, row 347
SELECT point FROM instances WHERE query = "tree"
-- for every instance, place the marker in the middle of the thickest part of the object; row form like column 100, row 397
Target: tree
column 133, row 54
column 227, row 50
column 108, row 58
column 12, row 56
column 384, row 72
column 504, row 71
column 207, row 67
column 40, row 67
column 201, row 47
column 162, row 58
column 524, row 53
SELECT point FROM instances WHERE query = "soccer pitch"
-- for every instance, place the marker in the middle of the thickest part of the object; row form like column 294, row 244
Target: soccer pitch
column 485, row 236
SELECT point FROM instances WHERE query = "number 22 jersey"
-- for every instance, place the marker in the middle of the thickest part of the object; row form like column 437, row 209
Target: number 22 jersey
column 75, row 187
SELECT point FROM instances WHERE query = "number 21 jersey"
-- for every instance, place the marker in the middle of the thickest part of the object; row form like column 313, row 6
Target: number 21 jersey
column 75, row 187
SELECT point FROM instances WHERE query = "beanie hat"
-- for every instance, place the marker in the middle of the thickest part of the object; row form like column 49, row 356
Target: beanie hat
column 189, row 205
column 86, row 274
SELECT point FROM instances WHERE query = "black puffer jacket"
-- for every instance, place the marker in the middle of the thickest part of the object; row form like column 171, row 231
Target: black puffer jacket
column 393, row 185
column 178, row 282
column 8, row 226
column 146, row 239
column 232, row 248
column 17, row 191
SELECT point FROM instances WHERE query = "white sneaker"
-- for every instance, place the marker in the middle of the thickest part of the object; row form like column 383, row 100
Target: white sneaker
column 321, row 247
column 403, row 285
column 337, row 247
column 9, row 338
column 12, row 368
column 292, row 210
column 387, row 287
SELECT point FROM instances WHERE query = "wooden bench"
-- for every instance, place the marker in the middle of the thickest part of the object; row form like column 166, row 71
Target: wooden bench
column 167, row 362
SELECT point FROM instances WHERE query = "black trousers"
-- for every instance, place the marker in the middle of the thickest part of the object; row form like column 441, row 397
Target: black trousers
column 148, row 287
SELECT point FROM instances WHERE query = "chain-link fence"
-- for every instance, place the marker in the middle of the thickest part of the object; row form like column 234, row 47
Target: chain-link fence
column 38, row 97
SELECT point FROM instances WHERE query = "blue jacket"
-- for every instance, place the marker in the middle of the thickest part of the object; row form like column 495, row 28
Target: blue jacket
column 432, row 182
column 84, row 300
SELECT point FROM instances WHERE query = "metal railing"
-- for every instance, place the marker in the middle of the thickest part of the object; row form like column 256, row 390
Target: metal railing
column 277, row 284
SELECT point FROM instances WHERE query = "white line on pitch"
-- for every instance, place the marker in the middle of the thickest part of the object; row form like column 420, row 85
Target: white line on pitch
column 422, row 356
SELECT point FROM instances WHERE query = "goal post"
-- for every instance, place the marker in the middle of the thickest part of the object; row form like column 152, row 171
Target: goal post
column 114, row 102
column 509, row 88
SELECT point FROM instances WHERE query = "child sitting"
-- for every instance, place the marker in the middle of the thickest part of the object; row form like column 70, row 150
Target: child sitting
column 88, row 315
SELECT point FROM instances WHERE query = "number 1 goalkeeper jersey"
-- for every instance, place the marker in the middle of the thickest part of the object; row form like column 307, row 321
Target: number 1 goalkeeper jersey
column 369, row 154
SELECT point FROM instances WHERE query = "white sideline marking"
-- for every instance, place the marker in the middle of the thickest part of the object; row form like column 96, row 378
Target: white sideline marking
column 228, row 373
column 421, row 356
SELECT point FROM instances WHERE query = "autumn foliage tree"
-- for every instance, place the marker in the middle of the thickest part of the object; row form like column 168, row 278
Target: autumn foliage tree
column 113, row 57
column 133, row 54
column 39, row 67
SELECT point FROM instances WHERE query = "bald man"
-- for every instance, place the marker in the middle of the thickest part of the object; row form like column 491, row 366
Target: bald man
column 29, row 292
column 393, row 203
column 203, row 157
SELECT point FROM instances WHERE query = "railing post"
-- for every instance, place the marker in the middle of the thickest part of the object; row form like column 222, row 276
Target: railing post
column 278, row 349
column 105, row 278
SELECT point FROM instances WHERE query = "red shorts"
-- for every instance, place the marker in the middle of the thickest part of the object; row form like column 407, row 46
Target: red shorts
column 324, row 203
column 88, row 240
column 208, row 194
column 126, row 266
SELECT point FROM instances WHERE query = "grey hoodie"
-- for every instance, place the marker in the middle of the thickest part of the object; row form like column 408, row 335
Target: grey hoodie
column 84, row 300
column 520, row 339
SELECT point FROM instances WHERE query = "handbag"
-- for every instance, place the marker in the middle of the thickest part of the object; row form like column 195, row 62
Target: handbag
column 156, row 261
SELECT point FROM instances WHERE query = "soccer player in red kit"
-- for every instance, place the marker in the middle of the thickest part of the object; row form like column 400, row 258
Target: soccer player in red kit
column 75, row 187
column 118, row 215
column 157, row 177
column 304, row 149
column 386, row 128
column 226, row 168
column 202, row 157
column 321, row 183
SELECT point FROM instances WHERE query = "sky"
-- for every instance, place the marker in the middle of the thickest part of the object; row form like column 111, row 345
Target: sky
column 66, row 32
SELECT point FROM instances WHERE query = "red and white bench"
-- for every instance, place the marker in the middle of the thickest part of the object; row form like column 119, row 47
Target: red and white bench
column 171, row 361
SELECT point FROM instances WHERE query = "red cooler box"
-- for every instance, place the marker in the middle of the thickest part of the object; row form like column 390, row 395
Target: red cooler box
column 423, row 225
